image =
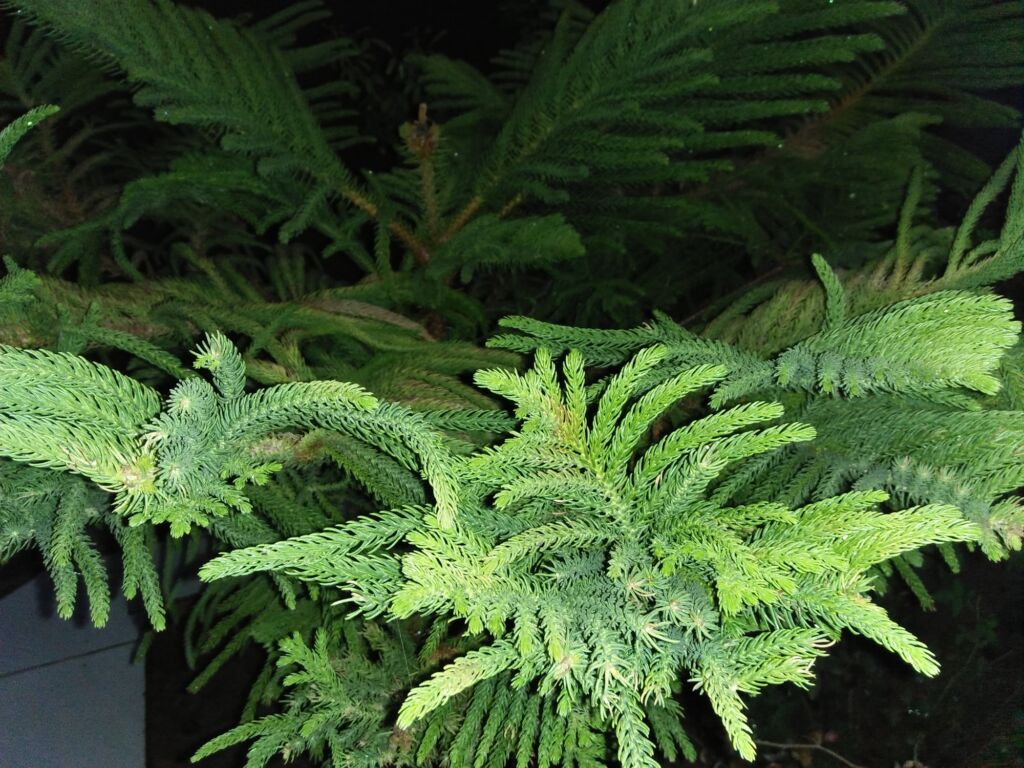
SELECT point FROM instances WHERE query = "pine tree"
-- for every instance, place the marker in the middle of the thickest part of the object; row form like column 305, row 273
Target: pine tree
column 224, row 336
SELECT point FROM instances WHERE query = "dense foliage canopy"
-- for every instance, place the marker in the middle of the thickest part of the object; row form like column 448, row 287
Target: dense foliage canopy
column 754, row 363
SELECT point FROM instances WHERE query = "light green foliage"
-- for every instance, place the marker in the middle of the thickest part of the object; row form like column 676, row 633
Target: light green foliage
column 600, row 584
column 918, row 452
column 887, row 350
column 922, row 260
column 882, row 385
column 63, row 412
column 438, row 580
column 208, row 434
column 191, row 459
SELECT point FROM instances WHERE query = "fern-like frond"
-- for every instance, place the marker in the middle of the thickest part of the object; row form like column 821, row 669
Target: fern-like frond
column 11, row 134
column 580, row 536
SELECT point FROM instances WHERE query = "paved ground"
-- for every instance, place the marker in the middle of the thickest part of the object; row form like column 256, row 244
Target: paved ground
column 69, row 695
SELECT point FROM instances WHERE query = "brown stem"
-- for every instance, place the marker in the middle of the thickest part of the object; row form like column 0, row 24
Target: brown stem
column 463, row 217
column 819, row 747
column 470, row 210
column 422, row 138
column 846, row 102
column 429, row 195
column 510, row 206
column 413, row 243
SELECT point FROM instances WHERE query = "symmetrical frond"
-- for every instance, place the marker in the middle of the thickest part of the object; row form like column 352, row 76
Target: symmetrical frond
column 10, row 134
column 192, row 459
column 604, row 563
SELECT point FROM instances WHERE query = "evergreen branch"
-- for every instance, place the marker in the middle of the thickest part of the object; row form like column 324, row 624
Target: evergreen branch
column 466, row 671
column 545, row 574
column 158, row 46
column 815, row 747
column 12, row 133
column 977, row 329
column 320, row 556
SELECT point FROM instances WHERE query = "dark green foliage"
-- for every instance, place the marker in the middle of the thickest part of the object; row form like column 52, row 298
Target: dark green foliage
column 217, row 315
column 53, row 513
column 16, row 130
column 340, row 703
